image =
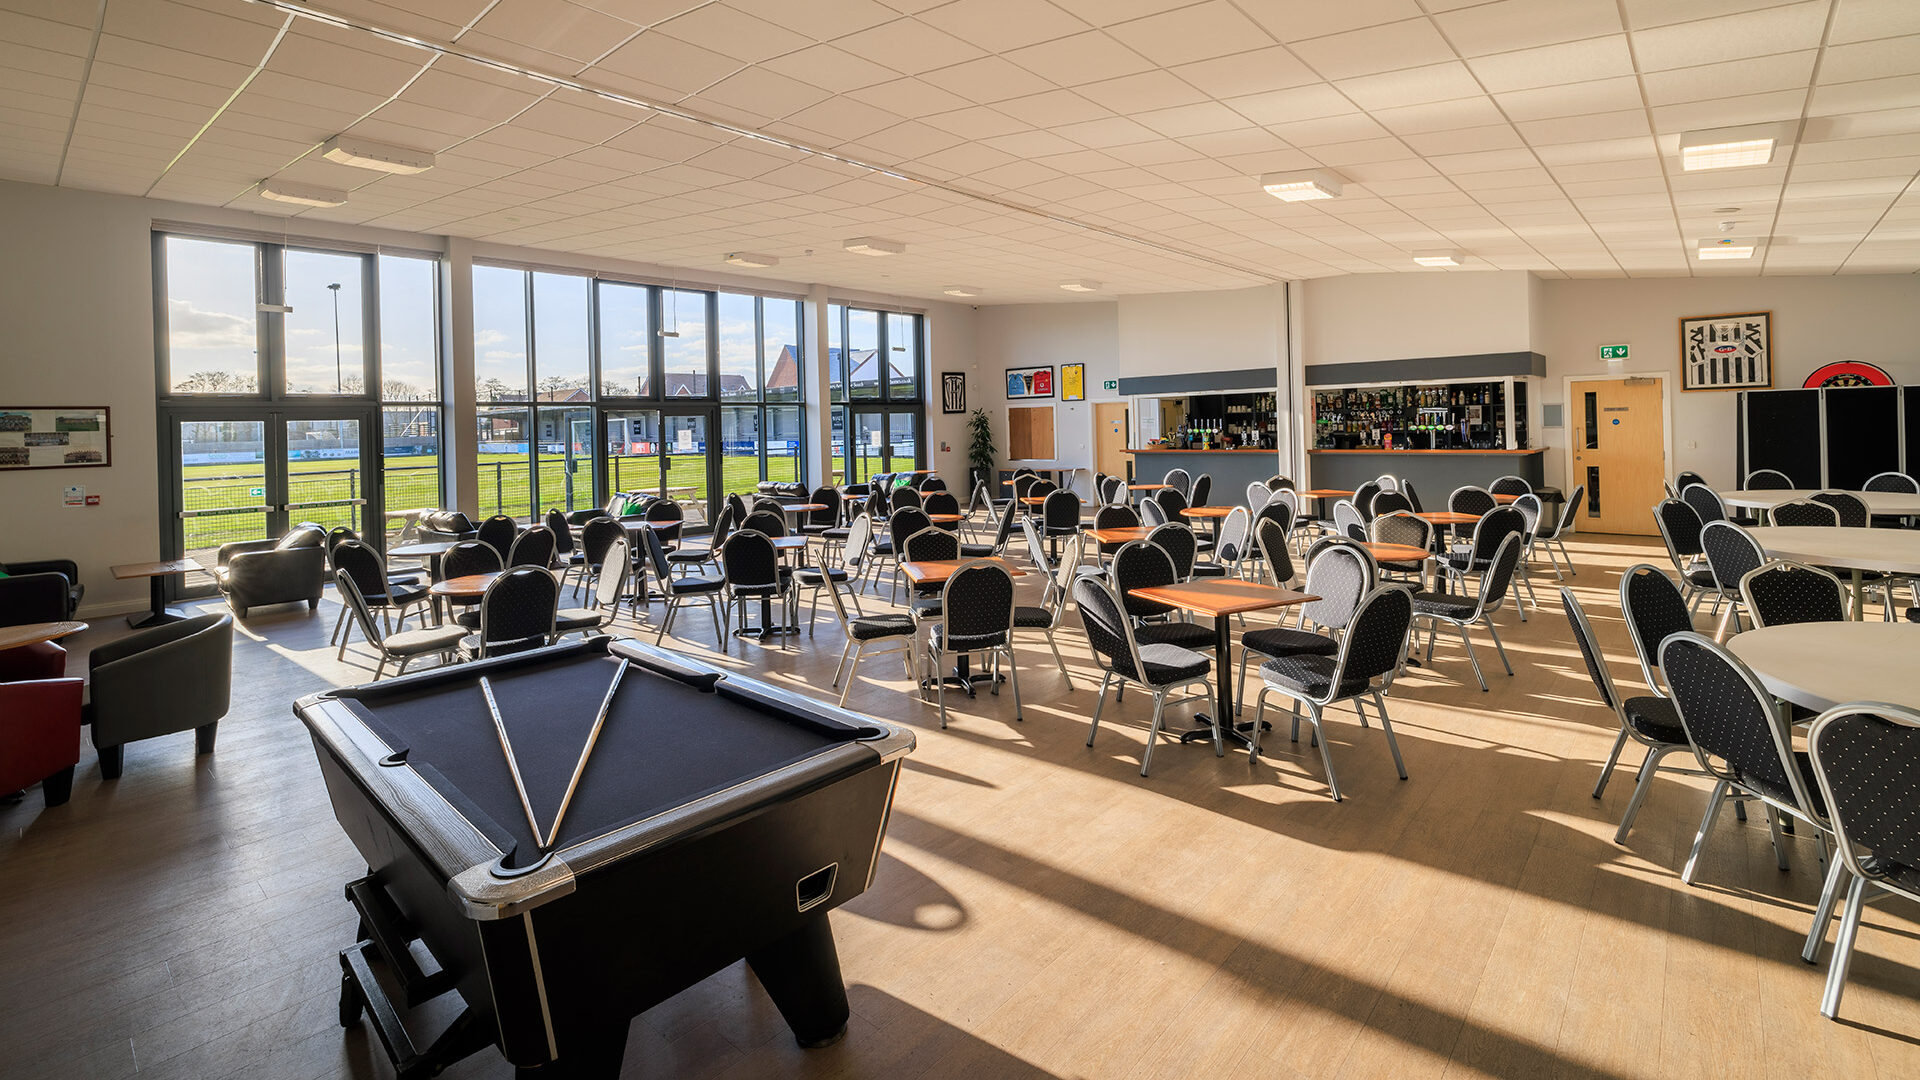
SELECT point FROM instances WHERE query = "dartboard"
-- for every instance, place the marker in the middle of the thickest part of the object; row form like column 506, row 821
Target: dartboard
column 1848, row 373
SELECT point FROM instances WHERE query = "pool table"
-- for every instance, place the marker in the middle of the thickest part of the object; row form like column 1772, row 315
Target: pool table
column 717, row 818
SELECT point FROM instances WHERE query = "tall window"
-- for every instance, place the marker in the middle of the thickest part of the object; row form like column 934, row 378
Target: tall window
column 410, row 418
column 877, row 385
column 501, row 372
column 307, row 351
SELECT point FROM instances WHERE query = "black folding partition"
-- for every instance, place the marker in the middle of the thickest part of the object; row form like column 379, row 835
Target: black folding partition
column 1863, row 434
column 1831, row 438
column 1780, row 429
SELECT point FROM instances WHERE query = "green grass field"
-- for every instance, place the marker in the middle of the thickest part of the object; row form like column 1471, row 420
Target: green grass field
column 503, row 488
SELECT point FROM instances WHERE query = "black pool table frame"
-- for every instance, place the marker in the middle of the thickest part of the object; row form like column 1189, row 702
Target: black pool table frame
column 553, row 961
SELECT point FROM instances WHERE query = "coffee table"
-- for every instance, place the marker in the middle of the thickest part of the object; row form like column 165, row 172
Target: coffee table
column 12, row 637
column 156, row 573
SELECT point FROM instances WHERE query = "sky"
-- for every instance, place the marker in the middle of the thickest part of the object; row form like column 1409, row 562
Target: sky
column 211, row 323
column 211, row 320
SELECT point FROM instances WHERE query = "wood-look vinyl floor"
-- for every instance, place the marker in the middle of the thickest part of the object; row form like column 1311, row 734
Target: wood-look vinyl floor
column 1042, row 910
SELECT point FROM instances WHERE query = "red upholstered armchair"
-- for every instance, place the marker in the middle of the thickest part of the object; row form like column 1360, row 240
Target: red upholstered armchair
column 40, row 735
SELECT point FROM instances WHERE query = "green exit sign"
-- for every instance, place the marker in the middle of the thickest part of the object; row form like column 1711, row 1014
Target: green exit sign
column 1110, row 384
column 1613, row 352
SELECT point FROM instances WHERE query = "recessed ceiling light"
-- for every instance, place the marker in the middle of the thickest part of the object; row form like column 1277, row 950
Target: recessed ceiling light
column 962, row 290
column 1301, row 186
column 748, row 258
column 366, row 154
column 874, row 245
column 1731, row 148
column 1726, row 209
column 301, row 194
column 1727, row 247
column 1083, row 285
column 1439, row 258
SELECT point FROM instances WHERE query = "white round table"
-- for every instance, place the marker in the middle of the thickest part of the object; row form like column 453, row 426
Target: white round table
column 1890, row 503
column 1892, row 551
column 1820, row 665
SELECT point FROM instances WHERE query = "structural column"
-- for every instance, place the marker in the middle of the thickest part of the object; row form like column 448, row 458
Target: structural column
column 818, row 425
column 460, row 436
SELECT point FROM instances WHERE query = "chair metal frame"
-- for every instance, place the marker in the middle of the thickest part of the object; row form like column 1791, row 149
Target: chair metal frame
column 1859, row 876
column 1482, row 613
column 936, row 657
column 1160, row 691
column 1377, row 687
column 856, row 650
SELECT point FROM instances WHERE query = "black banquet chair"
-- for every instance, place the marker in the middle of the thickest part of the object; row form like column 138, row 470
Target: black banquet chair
column 977, row 618
column 1370, row 653
column 516, row 613
column 497, row 532
column 676, row 590
column 1781, row 593
column 1160, row 668
column 1866, row 758
column 1649, row 720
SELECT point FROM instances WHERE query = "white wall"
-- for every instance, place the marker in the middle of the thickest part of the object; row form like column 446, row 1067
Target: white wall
column 1366, row 317
column 1170, row 333
column 1025, row 335
column 1816, row 320
column 76, row 307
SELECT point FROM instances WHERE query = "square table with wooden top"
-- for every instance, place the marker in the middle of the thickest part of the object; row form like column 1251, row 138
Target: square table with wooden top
column 1220, row 599
column 156, row 573
column 1213, row 514
column 1320, row 496
column 1119, row 534
column 936, row 572
column 1504, row 499
column 946, row 519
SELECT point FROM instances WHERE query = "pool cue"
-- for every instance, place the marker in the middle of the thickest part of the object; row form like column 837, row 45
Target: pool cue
column 506, row 747
column 586, row 751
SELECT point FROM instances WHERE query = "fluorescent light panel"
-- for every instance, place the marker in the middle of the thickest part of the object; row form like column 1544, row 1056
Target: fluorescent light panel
column 962, row 290
column 1083, row 285
column 1301, row 186
column 874, row 245
column 748, row 258
column 1732, row 148
column 1726, row 247
column 301, row 194
column 1439, row 258
column 383, row 157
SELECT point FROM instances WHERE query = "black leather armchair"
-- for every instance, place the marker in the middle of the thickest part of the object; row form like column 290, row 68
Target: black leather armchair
column 159, row 681
column 253, row 573
column 25, row 591
column 446, row 526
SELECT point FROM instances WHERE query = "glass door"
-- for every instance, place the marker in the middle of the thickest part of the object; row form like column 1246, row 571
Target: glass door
column 326, row 475
column 252, row 474
column 221, row 470
column 880, row 441
column 632, row 462
column 686, row 463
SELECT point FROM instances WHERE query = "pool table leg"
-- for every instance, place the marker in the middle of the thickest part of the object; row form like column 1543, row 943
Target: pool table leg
column 802, row 974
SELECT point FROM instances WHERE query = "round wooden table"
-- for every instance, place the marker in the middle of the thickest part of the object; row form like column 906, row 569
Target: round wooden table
column 34, row 633
column 1892, row 551
column 467, row 587
column 1820, row 665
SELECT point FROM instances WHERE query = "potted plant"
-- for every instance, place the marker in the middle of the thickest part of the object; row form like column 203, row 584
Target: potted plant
column 980, row 450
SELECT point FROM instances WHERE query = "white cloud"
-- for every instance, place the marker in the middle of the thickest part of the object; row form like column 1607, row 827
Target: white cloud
column 190, row 328
column 488, row 337
column 502, row 354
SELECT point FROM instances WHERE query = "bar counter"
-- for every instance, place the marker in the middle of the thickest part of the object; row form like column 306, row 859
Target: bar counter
column 1232, row 470
column 1434, row 472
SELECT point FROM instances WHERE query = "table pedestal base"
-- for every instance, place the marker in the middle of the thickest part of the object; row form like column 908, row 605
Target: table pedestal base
column 158, row 613
column 1240, row 734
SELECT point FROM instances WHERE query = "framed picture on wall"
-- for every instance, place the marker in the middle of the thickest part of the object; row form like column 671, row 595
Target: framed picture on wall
column 1727, row 352
column 1073, row 382
column 54, row 438
column 1030, row 382
column 953, row 392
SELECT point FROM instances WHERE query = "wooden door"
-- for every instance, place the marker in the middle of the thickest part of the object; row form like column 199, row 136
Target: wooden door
column 1619, row 453
column 1110, row 437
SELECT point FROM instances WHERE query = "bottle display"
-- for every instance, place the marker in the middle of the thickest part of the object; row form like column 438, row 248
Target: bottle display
column 1453, row 416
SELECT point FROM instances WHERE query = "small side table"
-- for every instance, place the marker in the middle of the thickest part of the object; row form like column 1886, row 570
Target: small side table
column 156, row 573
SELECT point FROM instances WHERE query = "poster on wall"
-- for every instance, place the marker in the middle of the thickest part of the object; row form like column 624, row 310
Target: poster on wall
column 1727, row 352
column 58, row 438
column 953, row 392
column 1030, row 382
column 1073, row 382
